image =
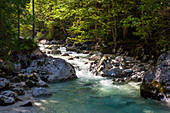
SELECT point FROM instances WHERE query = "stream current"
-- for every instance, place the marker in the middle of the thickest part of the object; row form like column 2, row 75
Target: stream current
column 95, row 94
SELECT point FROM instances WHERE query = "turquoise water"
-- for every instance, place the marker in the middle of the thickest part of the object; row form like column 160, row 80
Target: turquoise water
column 93, row 94
column 86, row 97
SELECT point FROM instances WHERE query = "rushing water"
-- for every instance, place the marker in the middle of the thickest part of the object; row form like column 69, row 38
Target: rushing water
column 94, row 94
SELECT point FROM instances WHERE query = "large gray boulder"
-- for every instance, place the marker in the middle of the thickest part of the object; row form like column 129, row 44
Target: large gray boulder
column 156, row 82
column 52, row 69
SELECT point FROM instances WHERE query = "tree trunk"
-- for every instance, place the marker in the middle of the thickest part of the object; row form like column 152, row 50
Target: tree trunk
column 18, row 22
column 95, row 26
column 33, row 25
column 125, row 31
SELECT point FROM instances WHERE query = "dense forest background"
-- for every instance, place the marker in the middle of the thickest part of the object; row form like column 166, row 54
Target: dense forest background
column 137, row 28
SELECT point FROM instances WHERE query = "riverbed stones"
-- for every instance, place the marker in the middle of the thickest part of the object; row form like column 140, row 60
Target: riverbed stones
column 157, row 80
column 118, row 67
column 39, row 92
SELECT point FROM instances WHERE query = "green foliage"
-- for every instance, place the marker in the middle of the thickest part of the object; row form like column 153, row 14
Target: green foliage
column 110, row 21
column 27, row 44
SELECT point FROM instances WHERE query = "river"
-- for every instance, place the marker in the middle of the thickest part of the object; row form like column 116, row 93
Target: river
column 95, row 94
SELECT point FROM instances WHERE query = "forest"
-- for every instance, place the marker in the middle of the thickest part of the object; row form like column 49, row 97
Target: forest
column 138, row 27
column 84, row 56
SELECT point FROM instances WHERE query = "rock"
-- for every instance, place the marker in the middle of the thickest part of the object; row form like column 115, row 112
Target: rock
column 17, row 85
column 70, row 58
column 53, row 69
column 77, row 57
column 86, row 62
column 30, row 83
column 9, row 93
column 85, row 52
column 34, row 77
column 157, row 80
column 38, row 92
column 35, row 54
column 71, row 49
column 121, row 80
column 94, row 58
column 65, row 54
column 138, row 67
column 116, row 72
column 4, row 100
column 105, row 68
column 44, row 41
column 19, row 91
column 146, row 58
column 4, row 84
column 136, row 78
column 19, row 78
column 27, row 103
column 128, row 72
column 42, row 84
column 56, row 52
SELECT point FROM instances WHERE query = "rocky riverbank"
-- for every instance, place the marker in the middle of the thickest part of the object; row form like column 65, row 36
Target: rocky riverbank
column 34, row 70
column 156, row 81
column 28, row 79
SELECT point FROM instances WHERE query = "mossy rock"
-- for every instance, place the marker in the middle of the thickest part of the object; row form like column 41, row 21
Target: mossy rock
column 155, row 90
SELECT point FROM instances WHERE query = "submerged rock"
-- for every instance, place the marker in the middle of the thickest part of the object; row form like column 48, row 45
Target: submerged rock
column 156, row 81
column 37, row 92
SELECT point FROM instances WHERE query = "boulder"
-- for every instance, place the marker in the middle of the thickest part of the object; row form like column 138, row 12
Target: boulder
column 34, row 77
column 56, row 52
column 53, row 69
column 42, row 84
column 38, row 92
column 9, row 93
column 156, row 82
column 4, row 84
column 30, row 83
column 85, row 52
column 19, row 78
column 70, row 58
column 27, row 103
column 71, row 48
column 105, row 68
column 65, row 54
column 94, row 57
column 17, row 85
column 44, row 41
column 4, row 100
column 19, row 91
